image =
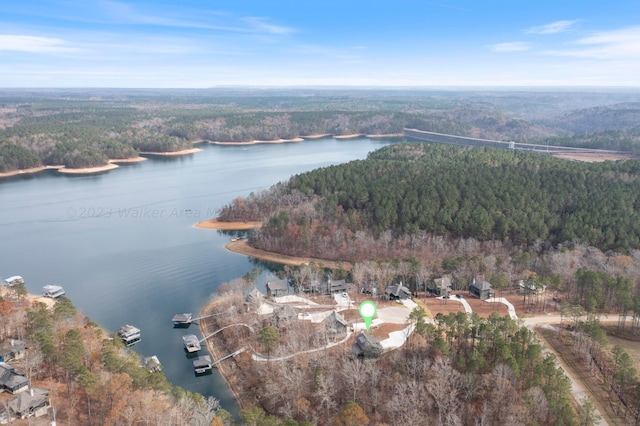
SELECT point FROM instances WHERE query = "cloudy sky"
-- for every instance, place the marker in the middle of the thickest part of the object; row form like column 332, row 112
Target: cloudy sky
column 205, row 43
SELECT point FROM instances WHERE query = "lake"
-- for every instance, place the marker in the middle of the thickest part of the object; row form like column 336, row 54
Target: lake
column 123, row 245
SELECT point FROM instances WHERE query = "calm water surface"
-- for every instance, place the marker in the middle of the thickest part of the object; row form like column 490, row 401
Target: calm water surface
column 123, row 245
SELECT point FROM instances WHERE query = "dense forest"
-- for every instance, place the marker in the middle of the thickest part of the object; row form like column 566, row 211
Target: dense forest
column 87, row 128
column 489, row 195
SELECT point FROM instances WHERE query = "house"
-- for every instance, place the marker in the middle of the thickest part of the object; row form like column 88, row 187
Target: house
column 440, row 286
column 532, row 288
column 336, row 324
column 480, row 289
column 254, row 299
column 34, row 403
column 284, row 313
column 11, row 380
column 366, row 346
column 12, row 349
column 337, row 286
column 277, row 288
column 397, row 292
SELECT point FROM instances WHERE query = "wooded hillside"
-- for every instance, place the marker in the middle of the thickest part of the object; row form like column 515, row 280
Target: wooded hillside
column 489, row 195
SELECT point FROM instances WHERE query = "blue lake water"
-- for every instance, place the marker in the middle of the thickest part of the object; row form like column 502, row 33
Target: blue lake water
column 123, row 245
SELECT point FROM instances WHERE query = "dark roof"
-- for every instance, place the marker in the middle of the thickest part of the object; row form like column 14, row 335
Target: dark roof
column 202, row 361
column 397, row 289
column 277, row 286
column 10, row 378
column 367, row 346
column 24, row 402
column 481, row 285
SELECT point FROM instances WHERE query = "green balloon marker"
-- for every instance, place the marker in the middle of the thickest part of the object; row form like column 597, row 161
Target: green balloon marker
column 367, row 311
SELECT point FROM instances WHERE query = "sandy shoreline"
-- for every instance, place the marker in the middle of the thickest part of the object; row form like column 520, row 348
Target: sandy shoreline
column 172, row 153
column 227, row 226
column 257, row 142
column 128, row 160
column 242, row 247
column 113, row 164
column 88, row 170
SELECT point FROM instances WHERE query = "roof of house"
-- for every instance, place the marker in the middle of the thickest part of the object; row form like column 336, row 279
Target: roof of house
column 367, row 345
column 443, row 282
column 480, row 285
column 25, row 401
column 396, row 289
column 10, row 378
column 277, row 285
column 336, row 317
column 12, row 345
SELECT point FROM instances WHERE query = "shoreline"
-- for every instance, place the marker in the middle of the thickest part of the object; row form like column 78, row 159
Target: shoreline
column 113, row 164
column 256, row 142
column 242, row 247
column 88, row 170
column 208, row 308
column 172, row 153
column 227, row 226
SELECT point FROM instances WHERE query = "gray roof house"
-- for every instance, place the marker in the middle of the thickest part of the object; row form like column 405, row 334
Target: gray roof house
column 366, row 346
column 11, row 380
column 277, row 288
column 12, row 349
column 34, row 403
column 480, row 289
column 440, row 286
column 336, row 323
column 254, row 299
column 397, row 292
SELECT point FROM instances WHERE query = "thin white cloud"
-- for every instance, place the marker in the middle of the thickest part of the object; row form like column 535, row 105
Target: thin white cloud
column 513, row 46
column 552, row 28
column 260, row 25
column 623, row 43
column 32, row 44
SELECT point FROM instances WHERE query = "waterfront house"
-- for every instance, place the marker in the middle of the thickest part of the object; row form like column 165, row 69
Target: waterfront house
column 337, row 286
column 440, row 286
column 34, row 403
column 480, row 289
column 277, row 288
column 336, row 324
column 12, row 349
column 397, row 292
column 366, row 346
column 254, row 299
column 11, row 380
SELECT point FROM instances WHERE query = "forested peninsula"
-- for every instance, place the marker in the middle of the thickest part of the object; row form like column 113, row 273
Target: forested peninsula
column 87, row 128
column 406, row 193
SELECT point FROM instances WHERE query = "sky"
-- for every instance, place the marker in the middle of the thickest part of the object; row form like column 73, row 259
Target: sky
column 395, row 43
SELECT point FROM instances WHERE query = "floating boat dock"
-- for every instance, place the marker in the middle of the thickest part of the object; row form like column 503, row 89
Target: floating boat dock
column 129, row 334
column 203, row 364
column 152, row 363
column 53, row 291
column 191, row 343
column 11, row 281
column 182, row 320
